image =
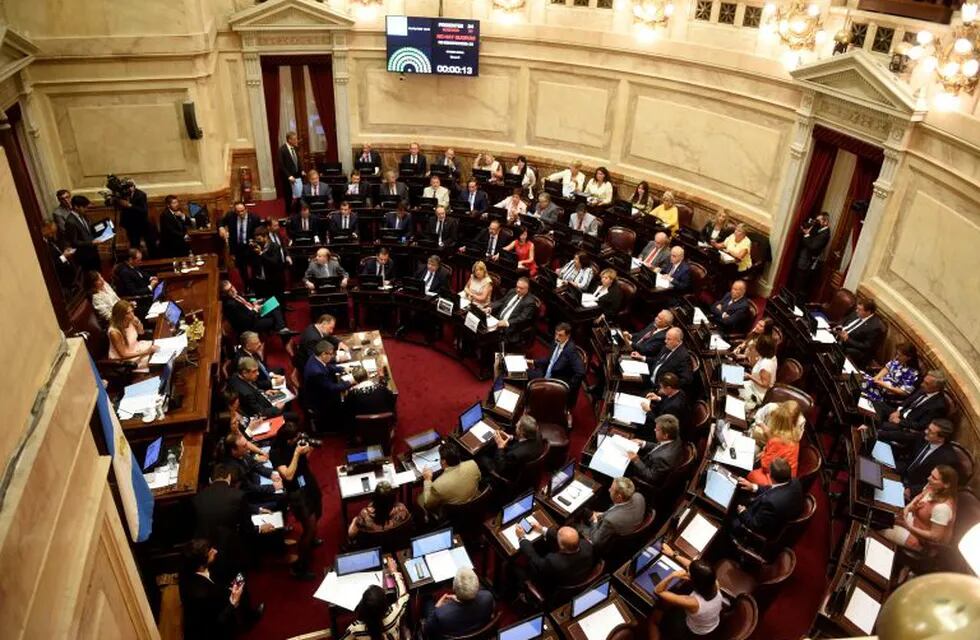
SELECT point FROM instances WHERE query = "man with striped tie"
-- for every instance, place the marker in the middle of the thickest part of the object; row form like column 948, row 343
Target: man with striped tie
column 562, row 362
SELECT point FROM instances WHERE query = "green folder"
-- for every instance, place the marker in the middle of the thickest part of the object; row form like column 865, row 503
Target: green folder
column 269, row 306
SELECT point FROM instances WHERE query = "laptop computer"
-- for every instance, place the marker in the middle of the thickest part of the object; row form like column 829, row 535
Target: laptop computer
column 520, row 508
column 527, row 629
column 358, row 561
column 432, row 542
column 869, row 472
column 159, row 290
column 561, row 479
column 423, row 440
column 481, row 175
column 363, row 457
column 590, row 598
column 326, row 284
column 371, row 281
column 167, row 377
column 413, row 285
column 152, row 455
column 173, row 314
column 719, row 486
column 650, row 567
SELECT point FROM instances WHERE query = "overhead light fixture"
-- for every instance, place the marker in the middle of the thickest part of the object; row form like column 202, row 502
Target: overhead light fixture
column 799, row 24
column 651, row 18
column 956, row 63
column 508, row 11
column 366, row 10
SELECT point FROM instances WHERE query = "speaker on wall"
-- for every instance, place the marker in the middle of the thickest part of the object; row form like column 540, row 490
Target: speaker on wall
column 190, row 121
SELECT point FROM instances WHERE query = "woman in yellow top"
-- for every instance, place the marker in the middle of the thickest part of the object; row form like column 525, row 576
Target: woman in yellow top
column 666, row 212
column 739, row 246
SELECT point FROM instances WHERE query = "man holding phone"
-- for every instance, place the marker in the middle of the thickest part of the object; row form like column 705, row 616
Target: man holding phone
column 569, row 560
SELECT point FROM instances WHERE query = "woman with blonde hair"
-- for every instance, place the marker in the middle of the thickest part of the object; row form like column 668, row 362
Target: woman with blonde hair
column 667, row 213
column 124, row 330
column 486, row 162
column 782, row 440
column 479, row 287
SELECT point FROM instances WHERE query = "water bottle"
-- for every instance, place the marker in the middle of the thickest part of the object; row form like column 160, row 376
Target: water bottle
column 172, row 461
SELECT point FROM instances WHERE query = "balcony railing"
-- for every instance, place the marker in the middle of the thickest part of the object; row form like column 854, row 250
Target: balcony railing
column 931, row 10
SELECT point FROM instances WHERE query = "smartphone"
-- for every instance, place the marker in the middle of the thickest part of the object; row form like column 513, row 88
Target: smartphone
column 526, row 525
column 389, row 581
column 239, row 580
column 365, row 484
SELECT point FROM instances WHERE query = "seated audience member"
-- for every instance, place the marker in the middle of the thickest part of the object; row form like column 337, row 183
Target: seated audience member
column 384, row 512
column 175, row 227
column 781, row 439
column 673, row 358
column 102, row 294
column 449, row 161
column 562, row 362
column 486, row 162
column 475, row 198
column 433, row 278
column 489, row 241
column 316, row 189
column 656, row 253
column 305, row 226
column 599, row 191
column 934, row 450
column 642, row 199
column 289, row 456
column 763, row 327
column 79, row 235
column 210, row 606
column 467, row 609
column 648, row 342
column 380, row 265
column 458, row 483
column 772, row 506
column 732, row 312
column 437, row 191
column 861, row 333
column 370, row 395
column 344, row 222
column 695, row 614
column 608, row 293
column 904, row 425
column 628, row 509
column 669, row 399
column 358, row 190
column 524, row 248
column 528, row 178
column 515, row 310
column 60, row 256
column 512, row 451
column 667, row 212
column 254, row 401
column 250, row 346
column 322, row 329
column 369, row 156
column 655, row 460
column 441, row 228
column 237, row 453
column 479, row 288
column 717, row 228
column 577, row 272
column 584, row 221
column 572, row 179
column 763, row 417
column 738, row 246
column 415, row 158
column 760, row 379
column 678, row 271
column 324, row 265
column 400, row 219
column 131, row 281
column 897, row 379
column 547, row 211
column 569, row 558
column 375, row 618
column 323, row 386
column 243, row 315
column 515, row 207
column 123, row 332
column 392, row 188
column 930, row 515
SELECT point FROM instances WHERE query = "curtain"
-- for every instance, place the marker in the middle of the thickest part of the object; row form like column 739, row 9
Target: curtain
column 321, row 81
column 287, row 103
column 839, row 186
column 270, row 86
column 862, row 189
column 314, row 129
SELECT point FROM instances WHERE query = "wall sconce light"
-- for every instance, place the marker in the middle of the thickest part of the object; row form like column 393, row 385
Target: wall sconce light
column 651, row 17
column 842, row 40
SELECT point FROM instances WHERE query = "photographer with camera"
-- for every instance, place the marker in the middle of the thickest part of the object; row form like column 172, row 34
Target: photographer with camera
column 268, row 270
column 289, row 455
column 816, row 235
column 238, row 229
column 134, row 211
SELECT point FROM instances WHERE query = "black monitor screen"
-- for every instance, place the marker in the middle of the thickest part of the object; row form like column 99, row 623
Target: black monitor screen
column 869, row 471
column 440, row 46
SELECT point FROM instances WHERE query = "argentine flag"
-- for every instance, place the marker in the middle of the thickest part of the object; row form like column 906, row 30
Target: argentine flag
column 137, row 500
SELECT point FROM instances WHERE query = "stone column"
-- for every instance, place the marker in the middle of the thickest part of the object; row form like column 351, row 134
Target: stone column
column 872, row 219
column 341, row 99
column 260, row 126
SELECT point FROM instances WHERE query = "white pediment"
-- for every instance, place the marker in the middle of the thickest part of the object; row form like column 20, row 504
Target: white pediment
column 859, row 78
column 290, row 15
column 16, row 52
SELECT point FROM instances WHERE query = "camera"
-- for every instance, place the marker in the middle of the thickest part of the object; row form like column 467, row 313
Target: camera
column 308, row 441
column 116, row 188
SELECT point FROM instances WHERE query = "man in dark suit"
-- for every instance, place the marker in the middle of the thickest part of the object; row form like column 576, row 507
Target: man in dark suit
column 562, row 362
column 432, row 276
column 656, row 253
column 313, row 188
column 134, row 214
column 322, row 329
column 816, row 235
column 475, row 198
column 80, row 237
column 515, row 310
column 449, row 161
column 305, row 226
column 250, row 346
column 655, row 460
column 254, row 401
column 243, row 315
column 670, row 399
column 290, row 166
column 629, row 508
column 344, row 222
column 235, row 454
column 211, row 609
column 512, row 452
column 467, row 609
column 773, row 506
column 648, row 342
column 238, row 228
column 357, row 189
column 673, row 358
column 380, row 265
column 608, row 293
column 324, row 383
column 400, row 219
column 731, row 313
column 861, row 333
column 569, row 560
column 268, row 266
column 60, row 256
column 934, row 451
column 905, row 424
column 369, row 156
column 490, row 241
column 129, row 279
column 415, row 158
column 392, row 188
column 678, row 271
column 370, row 395
column 442, row 229
column 174, row 228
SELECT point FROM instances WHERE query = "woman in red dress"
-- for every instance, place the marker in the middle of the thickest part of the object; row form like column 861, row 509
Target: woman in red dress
column 524, row 249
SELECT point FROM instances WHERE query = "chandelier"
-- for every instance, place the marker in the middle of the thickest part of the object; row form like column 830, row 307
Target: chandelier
column 798, row 24
column 366, row 10
column 652, row 13
column 955, row 63
column 509, row 6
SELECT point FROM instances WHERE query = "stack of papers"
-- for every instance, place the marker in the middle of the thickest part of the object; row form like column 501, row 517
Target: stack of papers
column 428, row 459
column 362, row 483
column 482, row 431
column 862, row 610
column 627, row 409
column 506, row 400
column 865, row 405
column 274, row 518
column 699, row 317
column 743, row 446
column 797, row 311
column 882, row 452
column 589, row 301
column 169, row 347
column 635, row 263
column 735, row 408
column 107, row 234
column 163, row 477
column 346, row 591
column 698, row 532
column 492, row 323
column 610, row 458
column 717, row 343
column 892, row 492
column 634, row 367
column 824, row 336
column 515, row 364
column 156, row 309
column 464, row 302
column 370, row 365
column 878, row 558
column 662, row 282
column 726, row 258
column 600, row 623
column 140, row 397
column 444, row 564
column 733, row 374
column 573, row 496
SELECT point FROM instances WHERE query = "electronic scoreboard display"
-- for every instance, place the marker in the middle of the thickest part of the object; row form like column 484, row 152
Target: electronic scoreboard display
column 437, row 46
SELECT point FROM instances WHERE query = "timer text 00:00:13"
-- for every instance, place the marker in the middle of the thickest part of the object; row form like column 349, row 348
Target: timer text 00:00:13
column 463, row 71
